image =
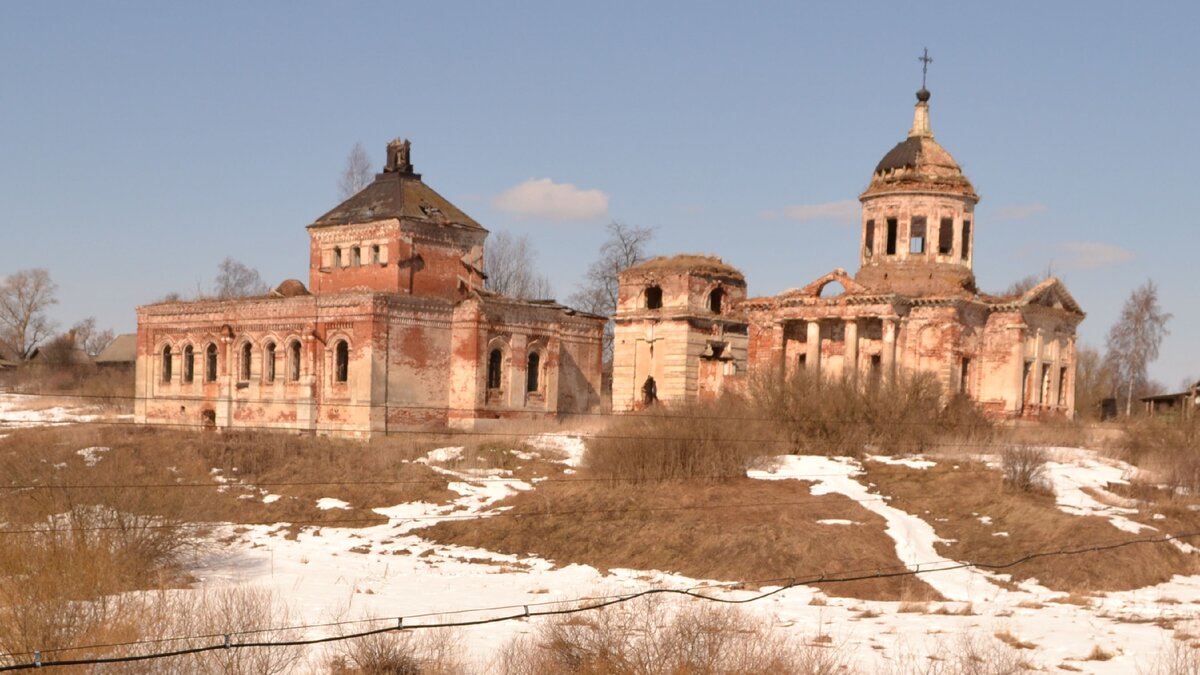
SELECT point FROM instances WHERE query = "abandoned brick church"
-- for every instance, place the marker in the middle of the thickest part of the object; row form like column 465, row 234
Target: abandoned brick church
column 394, row 329
column 685, row 328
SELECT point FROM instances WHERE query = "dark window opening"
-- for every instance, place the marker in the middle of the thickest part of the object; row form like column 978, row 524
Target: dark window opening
column 916, row 235
column 892, row 226
column 802, row 361
column 876, row 369
column 946, row 237
column 294, row 360
column 495, row 360
column 337, row 256
column 245, row 365
column 269, row 362
column 356, row 256
column 654, row 298
column 717, row 349
column 166, row 363
column 966, row 239
column 532, row 374
column 375, row 254
column 341, row 358
column 964, row 376
column 210, row 363
column 714, row 300
column 649, row 391
column 189, row 364
column 869, row 245
column 208, row 419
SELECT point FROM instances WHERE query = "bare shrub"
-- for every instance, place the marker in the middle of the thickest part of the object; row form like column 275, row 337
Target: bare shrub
column 1180, row 658
column 1024, row 468
column 701, row 441
column 427, row 652
column 1167, row 446
column 650, row 637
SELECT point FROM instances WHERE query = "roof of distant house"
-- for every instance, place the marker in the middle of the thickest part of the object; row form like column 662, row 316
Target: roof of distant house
column 123, row 349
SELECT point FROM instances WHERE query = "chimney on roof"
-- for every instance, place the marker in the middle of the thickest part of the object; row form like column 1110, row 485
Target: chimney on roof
column 398, row 157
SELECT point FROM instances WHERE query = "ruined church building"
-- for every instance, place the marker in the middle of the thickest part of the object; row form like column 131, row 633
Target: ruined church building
column 685, row 329
column 395, row 329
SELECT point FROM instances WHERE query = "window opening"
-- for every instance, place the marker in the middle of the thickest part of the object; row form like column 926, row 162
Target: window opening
column 356, row 256
column 189, row 363
column 294, row 360
column 649, row 391
column 916, row 235
column 166, row 363
column 802, row 361
column 876, row 369
column 654, row 298
column 714, row 300
column 245, row 364
column 964, row 375
column 946, row 236
column 532, row 372
column 718, row 348
column 375, row 254
column 891, row 236
column 870, row 239
column 337, row 256
column 341, row 357
column 269, row 362
column 966, row 239
column 210, row 363
column 495, row 360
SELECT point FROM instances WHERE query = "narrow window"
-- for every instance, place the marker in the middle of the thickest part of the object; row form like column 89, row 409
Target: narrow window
column 166, row 363
column 341, row 357
column 294, row 360
column 916, row 235
column 714, row 300
column 802, row 361
column 532, row 375
column 876, row 368
column 375, row 254
column 269, row 362
column 189, row 364
column 946, row 236
column 495, row 359
column 869, row 245
column 891, row 236
column 337, row 256
column 210, row 363
column 649, row 391
column 654, row 298
column 244, row 365
column 964, row 375
column 1062, row 387
column 356, row 256
column 966, row 239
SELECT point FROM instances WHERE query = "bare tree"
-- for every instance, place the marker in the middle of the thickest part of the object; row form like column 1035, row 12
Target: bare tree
column 1093, row 381
column 87, row 338
column 24, row 298
column 357, row 174
column 1133, row 341
column 235, row 280
column 624, row 248
column 509, row 263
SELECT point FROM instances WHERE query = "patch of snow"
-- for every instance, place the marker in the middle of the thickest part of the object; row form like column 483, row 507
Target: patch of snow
column 571, row 446
column 986, row 520
column 999, row 534
column 910, row 462
column 442, row 455
column 270, row 499
column 327, row 503
column 92, row 456
column 1075, row 469
column 835, row 521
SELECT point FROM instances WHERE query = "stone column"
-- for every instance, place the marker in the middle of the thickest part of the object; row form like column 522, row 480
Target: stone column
column 779, row 346
column 850, row 357
column 888, row 357
column 812, row 358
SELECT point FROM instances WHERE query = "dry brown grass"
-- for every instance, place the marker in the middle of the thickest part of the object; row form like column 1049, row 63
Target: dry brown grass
column 947, row 498
column 1167, row 447
column 702, row 531
column 426, row 652
column 650, row 638
column 1098, row 653
column 1007, row 637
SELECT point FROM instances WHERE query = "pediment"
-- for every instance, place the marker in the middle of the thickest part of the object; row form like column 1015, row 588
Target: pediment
column 838, row 276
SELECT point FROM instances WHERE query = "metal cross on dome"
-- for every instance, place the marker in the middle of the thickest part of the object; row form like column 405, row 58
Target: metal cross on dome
column 925, row 61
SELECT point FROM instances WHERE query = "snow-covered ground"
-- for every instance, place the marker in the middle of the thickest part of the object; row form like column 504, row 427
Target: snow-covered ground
column 21, row 410
column 389, row 571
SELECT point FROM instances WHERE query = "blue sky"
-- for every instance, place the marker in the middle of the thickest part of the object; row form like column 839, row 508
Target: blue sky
column 144, row 142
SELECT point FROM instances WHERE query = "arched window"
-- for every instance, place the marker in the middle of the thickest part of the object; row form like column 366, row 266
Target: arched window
column 653, row 297
column 375, row 254
column 714, row 300
column 495, row 361
column 649, row 391
column 210, row 363
column 245, row 362
column 189, row 364
column 294, row 360
column 341, row 361
column 356, row 256
column 166, row 363
column 269, row 362
column 337, row 256
column 533, row 369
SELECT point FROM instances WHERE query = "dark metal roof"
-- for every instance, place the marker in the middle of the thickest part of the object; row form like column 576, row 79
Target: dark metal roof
column 904, row 155
column 396, row 194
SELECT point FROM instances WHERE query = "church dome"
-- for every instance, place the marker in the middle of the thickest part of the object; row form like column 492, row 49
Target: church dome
column 919, row 163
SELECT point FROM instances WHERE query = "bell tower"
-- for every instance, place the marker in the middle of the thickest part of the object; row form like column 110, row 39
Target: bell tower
column 918, row 224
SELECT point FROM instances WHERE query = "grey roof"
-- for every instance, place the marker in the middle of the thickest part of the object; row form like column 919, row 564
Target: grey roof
column 123, row 349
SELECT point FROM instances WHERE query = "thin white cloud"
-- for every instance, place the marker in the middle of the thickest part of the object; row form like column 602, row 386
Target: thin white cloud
column 1019, row 212
column 542, row 198
column 846, row 212
column 1088, row 255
